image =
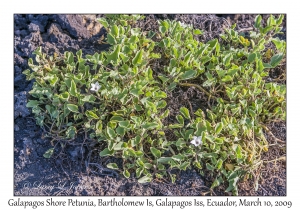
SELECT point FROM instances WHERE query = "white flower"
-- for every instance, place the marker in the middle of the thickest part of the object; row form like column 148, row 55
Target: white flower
column 95, row 87
column 197, row 140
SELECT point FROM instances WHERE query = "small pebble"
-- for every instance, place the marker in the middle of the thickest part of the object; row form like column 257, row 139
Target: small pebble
column 17, row 128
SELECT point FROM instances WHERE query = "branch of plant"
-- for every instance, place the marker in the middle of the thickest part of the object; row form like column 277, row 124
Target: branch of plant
column 272, row 135
column 200, row 88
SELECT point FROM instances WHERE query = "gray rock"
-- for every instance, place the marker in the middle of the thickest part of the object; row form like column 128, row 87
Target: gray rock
column 35, row 26
column 74, row 25
column 17, row 128
column 76, row 153
column 18, row 70
column 79, row 26
column 20, row 105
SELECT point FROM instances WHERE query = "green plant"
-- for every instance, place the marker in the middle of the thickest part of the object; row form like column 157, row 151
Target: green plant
column 117, row 98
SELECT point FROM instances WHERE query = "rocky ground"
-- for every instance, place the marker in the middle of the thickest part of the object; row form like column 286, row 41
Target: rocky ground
column 67, row 173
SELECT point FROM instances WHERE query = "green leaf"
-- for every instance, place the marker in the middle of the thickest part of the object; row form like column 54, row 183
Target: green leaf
column 227, row 59
column 65, row 96
column 178, row 157
column 251, row 57
column 232, row 184
column 161, row 104
column 209, row 166
column 150, row 125
column 136, row 92
column 124, row 124
column 103, row 22
column 227, row 78
column 138, row 58
column 106, row 152
column 120, row 131
column 111, row 133
column 32, row 103
column 115, row 30
column 185, row 112
column 184, row 165
column 145, row 179
column 99, row 127
column 197, row 32
column 116, row 119
column 279, row 20
column 89, row 98
column 219, row 127
column 278, row 43
column 148, row 165
column 258, row 19
column 71, row 132
column 275, row 60
column 212, row 43
column 139, row 171
column 155, row 152
column 72, row 108
column 271, row 21
column 219, row 164
column 111, row 39
column 162, row 29
column 238, row 152
column 160, row 94
column 188, row 75
column 126, row 174
column 164, row 160
column 232, row 72
column 73, row 90
column 112, row 166
column 219, row 180
column 180, row 119
column 48, row 153
column 114, row 56
column 91, row 114
column 175, row 126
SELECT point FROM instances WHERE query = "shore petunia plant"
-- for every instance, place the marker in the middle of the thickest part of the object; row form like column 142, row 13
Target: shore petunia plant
column 119, row 97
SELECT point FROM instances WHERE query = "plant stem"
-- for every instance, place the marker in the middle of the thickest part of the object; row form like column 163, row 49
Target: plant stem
column 200, row 88
column 272, row 135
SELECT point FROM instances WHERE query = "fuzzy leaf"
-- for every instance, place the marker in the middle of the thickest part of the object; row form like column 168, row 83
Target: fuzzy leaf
column 150, row 125
column 32, row 103
column 73, row 90
column 188, row 75
column 112, row 166
column 258, row 19
column 155, row 152
column 126, row 174
column 138, row 58
column 185, row 112
column 197, row 32
column 91, row 114
column 164, row 160
column 106, row 152
column 72, row 108
column 111, row 133
column 219, row 127
column 275, row 60
column 115, row 30
column 145, row 179
column 180, row 119
column 48, row 153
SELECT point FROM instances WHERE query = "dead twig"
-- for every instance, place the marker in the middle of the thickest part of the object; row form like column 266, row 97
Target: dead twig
column 200, row 88
column 245, row 29
column 272, row 135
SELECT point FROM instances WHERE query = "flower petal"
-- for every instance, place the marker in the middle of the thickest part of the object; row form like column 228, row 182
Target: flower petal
column 193, row 142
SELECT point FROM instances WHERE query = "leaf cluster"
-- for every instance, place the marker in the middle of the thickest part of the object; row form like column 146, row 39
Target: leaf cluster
column 128, row 111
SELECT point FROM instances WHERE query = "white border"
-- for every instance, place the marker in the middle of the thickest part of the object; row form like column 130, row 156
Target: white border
column 150, row 7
